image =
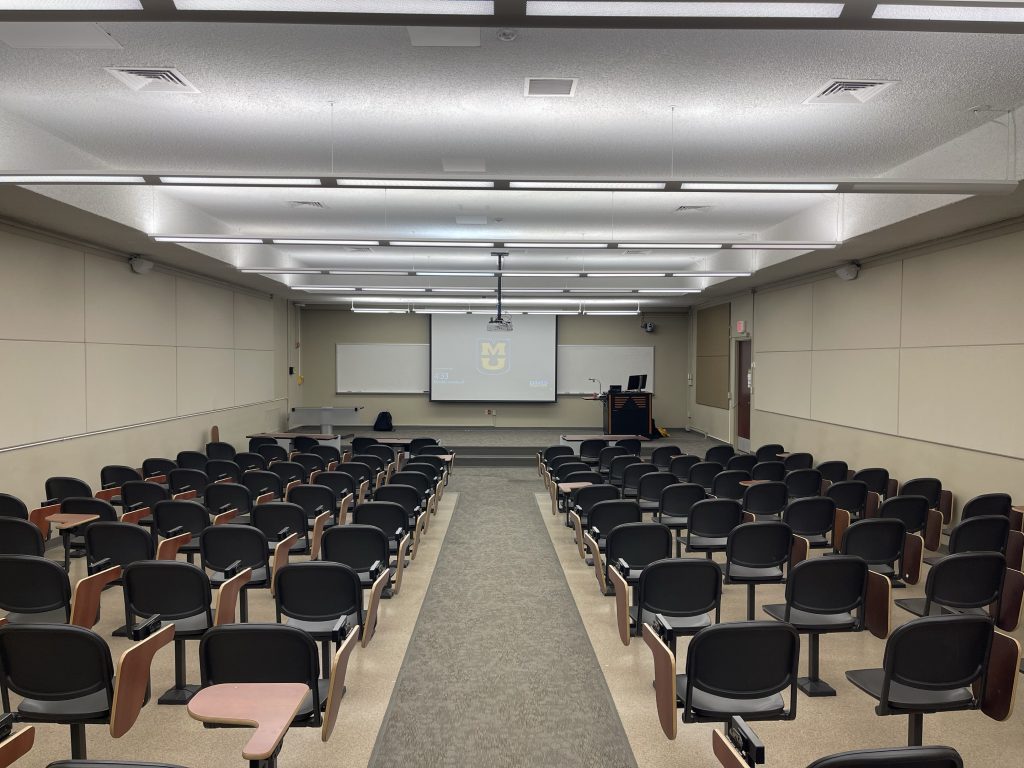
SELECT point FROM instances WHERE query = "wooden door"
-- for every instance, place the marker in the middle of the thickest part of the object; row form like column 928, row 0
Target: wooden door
column 743, row 376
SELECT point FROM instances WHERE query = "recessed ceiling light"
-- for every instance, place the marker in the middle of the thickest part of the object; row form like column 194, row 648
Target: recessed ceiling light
column 556, row 245
column 431, row 7
column 380, row 311
column 711, row 274
column 440, row 311
column 454, row 274
column 534, row 290
column 441, row 244
column 416, row 183
column 755, row 246
column 367, row 272
column 625, row 274
column 611, row 311
column 327, row 242
column 693, row 9
column 279, row 271
column 207, row 239
column 552, row 312
column 668, row 290
column 72, row 178
column 70, row 5
column 239, row 181
column 540, row 274
column 323, row 288
column 696, row 246
column 978, row 12
column 610, row 185
column 769, row 186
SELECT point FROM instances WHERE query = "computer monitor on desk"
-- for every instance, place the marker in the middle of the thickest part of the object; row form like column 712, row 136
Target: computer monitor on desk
column 637, row 383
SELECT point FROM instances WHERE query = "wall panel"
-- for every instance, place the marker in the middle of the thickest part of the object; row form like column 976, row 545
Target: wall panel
column 41, row 290
column 128, row 384
column 206, row 379
column 254, row 322
column 125, row 308
column 43, row 391
column 858, row 314
column 783, row 320
column 856, row 387
column 782, row 383
column 206, row 315
column 254, row 376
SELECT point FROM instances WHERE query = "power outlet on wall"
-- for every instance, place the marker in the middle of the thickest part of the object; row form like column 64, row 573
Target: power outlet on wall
column 490, row 412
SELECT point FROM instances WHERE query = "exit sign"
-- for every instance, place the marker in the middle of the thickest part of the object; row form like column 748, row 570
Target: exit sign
column 741, row 326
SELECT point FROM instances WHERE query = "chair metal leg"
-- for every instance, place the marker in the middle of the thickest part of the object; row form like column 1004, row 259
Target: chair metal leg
column 812, row 685
column 181, row 692
column 325, row 658
column 750, row 601
column 243, row 606
column 915, row 730
column 78, row 741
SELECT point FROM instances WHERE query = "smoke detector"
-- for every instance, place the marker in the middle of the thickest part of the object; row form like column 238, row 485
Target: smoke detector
column 508, row 35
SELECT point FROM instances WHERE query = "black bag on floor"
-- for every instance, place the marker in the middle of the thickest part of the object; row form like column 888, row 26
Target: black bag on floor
column 383, row 422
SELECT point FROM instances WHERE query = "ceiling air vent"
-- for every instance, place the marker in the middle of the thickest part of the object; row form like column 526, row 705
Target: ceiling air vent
column 359, row 249
column 849, row 91
column 558, row 87
column 693, row 209
column 305, row 204
column 153, row 79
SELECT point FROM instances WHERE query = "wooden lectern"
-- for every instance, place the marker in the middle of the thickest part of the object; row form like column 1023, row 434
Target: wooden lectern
column 627, row 413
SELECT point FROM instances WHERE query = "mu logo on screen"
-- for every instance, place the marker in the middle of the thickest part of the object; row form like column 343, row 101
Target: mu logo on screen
column 493, row 357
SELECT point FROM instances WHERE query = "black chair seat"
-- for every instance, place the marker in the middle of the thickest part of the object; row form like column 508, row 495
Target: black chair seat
column 306, row 708
column 56, row 616
column 915, row 605
column 817, row 540
column 300, row 547
column 94, row 706
column 744, row 574
column 678, row 623
column 706, row 542
column 707, row 705
column 259, row 578
column 675, row 522
column 649, row 505
column 883, row 568
column 906, row 698
column 812, row 622
column 190, row 626
column 633, row 576
column 321, row 630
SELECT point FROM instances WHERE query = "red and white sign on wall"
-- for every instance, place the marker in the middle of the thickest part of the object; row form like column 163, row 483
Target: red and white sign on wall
column 741, row 326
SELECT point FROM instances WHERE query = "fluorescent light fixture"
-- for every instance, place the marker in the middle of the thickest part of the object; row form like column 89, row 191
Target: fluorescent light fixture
column 322, row 288
column 367, row 272
column 668, row 290
column 279, row 271
column 711, row 274
column 551, row 312
column 429, row 7
column 609, row 185
column 452, row 300
column 416, row 183
column 441, row 243
column 441, row 311
column 460, row 290
column 326, row 242
column 775, row 246
column 759, row 186
column 533, row 290
column 980, row 12
column 540, row 274
column 611, row 311
column 70, row 5
column 556, row 245
column 625, row 274
column 380, row 311
column 239, row 181
column 425, row 289
column 455, row 274
column 69, row 178
column 695, row 246
column 207, row 239
column 763, row 10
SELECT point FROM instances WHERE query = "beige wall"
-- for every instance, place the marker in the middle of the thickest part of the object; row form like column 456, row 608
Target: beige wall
column 323, row 329
column 88, row 346
column 911, row 367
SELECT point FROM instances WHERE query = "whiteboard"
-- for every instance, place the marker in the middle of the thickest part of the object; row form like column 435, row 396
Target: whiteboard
column 383, row 368
column 610, row 364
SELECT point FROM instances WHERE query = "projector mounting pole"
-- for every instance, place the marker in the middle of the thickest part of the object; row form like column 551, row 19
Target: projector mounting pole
column 500, row 257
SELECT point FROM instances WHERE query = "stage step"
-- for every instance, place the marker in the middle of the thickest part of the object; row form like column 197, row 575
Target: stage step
column 494, row 456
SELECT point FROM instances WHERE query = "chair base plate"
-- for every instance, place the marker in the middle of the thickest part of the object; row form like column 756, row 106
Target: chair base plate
column 815, row 688
column 179, row 696
column 121, row 631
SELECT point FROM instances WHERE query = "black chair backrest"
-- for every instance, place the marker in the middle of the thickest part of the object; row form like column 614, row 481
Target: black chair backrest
column 221, row 546
column 88, row 505
column 798, row 461
column 936, row 653
column 903, row 757
column 121, row 543
column 280, row 519
column 743, row 660
column 418, row 443
column 260, row 482
column 767, row 498
column 304, row 444
column 988, row 533
column 590, row 495
column 929, row 487
column 714, row 518
column 374, row 462
column 742, row 461
column 591, row 449
column 191, row 460
column 564, row 470
column 339, row 482
column 810, row 516
column 328, row 453
column 434, row 473
column 406, row 495
column 987, row 504
column 417, row 480
column 556, row 450
column 590, row 476
column 680, row 587
column 851, row 495
column 247, row 461
column 136, row 494
column 617, row 468
column 219, row 469
column 191, row 516
column 318, row 591
column 678, row 498
column 179, row 480
column 434, row 461
column 359, row 443
column 359, row 471
column 969, row 580
column 877, row 540
column 719, row 454
column 157, row 466
column 834, row 471
column 606, row 515
column 703, row 472
column 358, row 546
column 116, row 475
column 288, row 471
column 726, row 484
column 272, row 452
column 53, row 662
column 20, row 537
column 758, row 545
column 877, row 479
column 680, row 466
column 220, row 497
column 639, row 544
column 632, row 473
column 260, row 653
column 803, row 482
column 220, row 450
column 172, row 588
column 383, row 452
column 434, row 450
column 256, row 442
column 310, row 463
column 606, row 455
column 912, row 510
column 386, row 515
column 60, row 488
column 769, row 452
column 653, row 483
column 563, row 458
column 31, row 584
column 314, row 499
column 12, row 506
column 631, row 444
column 661, row 457
column 824, row 585
column 774, row 471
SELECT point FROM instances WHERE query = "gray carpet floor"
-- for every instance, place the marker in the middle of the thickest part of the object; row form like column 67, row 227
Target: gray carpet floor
column 499, row 670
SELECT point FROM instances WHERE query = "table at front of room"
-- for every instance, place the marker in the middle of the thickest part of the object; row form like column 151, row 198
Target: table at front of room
column 284, row 439
column 575, row 440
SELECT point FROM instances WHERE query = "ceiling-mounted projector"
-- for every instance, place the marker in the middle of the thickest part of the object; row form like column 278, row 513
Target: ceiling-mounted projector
column 500, row 323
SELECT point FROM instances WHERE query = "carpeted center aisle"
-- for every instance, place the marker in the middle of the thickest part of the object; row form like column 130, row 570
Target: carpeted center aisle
column 499, row 670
